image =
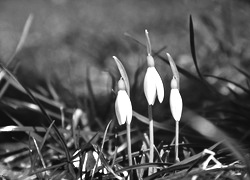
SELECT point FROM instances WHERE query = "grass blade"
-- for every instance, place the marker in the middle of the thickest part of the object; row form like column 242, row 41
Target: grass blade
column 156, row 124
column 192, row 46
column 46, row 135
column 229, row 81
column 39, row 153
column 242, row 72
column 22, row 39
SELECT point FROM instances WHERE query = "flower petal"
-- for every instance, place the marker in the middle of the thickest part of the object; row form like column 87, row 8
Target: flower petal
column 149, row 86
column 159, row 86
column 123, row 107
column 175, row 104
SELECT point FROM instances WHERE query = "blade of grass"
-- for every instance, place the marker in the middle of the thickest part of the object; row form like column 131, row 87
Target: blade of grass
column 46, row 135
column 229, row 81
column 52, row 90
column 48, row 168
column 192, row 46
column 22, row 39
column 12, row 128
column 39, row 153
column 12, row 153
column 242, row 72
column 156, row 124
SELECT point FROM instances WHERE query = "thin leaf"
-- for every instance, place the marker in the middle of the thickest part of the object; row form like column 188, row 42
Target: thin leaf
column 21, row 129
column 229, row 81
column 242, row 72
column 46, row 135
column 52, row 90
column 123, row 74
column 39, row 153
column 156, row 124
column 192, row 46
column 22, row 39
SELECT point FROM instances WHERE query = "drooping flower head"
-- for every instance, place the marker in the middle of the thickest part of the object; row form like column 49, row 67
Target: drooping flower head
column 175, row 99
column 123, row 106
column 153, row 85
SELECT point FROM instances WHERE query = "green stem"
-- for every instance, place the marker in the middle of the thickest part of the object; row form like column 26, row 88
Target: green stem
column 129, row 145
column 177, row 142
column 151, row 138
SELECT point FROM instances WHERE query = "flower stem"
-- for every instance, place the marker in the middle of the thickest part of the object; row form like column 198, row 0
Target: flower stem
column 129, row 145
column 151, row 138
column 177, row 142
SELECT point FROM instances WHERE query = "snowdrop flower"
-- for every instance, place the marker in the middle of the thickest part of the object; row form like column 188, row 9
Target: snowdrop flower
column 175, row 100
column 123, row 106
column 153, row 85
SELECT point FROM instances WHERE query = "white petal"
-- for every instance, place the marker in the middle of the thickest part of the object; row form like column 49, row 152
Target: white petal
column 123, row 107
column 149, row 86
column 159, row 86
column 129, row 109
column 76, row 160
column 175, row 104
column 76, row 117
column 96, row 157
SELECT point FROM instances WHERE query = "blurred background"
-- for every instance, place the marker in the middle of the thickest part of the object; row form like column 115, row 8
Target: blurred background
column 72, row 41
